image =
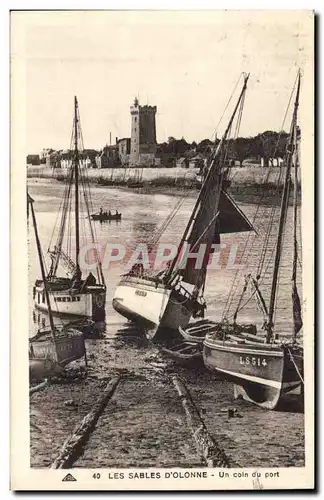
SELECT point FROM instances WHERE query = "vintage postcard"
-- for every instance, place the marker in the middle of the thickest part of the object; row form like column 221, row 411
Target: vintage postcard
column 162, row 228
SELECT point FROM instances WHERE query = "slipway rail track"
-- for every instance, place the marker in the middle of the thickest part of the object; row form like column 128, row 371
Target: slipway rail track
column 113, row 431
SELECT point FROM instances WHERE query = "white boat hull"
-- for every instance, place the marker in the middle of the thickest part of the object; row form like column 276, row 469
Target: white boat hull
column 71, row 304
column 149, row 305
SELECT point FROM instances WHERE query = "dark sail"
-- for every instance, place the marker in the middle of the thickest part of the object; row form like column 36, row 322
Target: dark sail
column 204, row 226
column 231, row 219
column 203, row 231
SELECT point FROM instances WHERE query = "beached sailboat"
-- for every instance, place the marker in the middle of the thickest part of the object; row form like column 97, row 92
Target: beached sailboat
column 71, row 294
column 264, row 367
column 169, row 299
column 52, row 347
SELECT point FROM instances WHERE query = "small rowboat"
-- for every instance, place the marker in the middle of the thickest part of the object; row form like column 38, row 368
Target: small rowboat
column 196, row 332
column 104, row 217
column 183, row 351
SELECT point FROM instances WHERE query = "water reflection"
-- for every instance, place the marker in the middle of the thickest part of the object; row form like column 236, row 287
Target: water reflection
column 116, row 222
column 143, row 228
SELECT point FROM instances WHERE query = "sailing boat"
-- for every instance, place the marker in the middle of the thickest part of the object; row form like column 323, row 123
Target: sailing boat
column 52, row 348
column 264, row 368
column 72, row 295
column 169, row 298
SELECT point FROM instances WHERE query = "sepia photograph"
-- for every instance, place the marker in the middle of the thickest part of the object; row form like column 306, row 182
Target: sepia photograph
column 162, row 178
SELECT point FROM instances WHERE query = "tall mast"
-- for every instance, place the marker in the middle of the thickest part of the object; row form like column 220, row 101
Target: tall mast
column 283, row 212
column 40, row 256
column 76, row 177
column 216, row 152
column 297, row 319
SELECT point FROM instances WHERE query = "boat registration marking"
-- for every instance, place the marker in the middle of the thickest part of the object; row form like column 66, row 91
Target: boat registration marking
column 254, row 361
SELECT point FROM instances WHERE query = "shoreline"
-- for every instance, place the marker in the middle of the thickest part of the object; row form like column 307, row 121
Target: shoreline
column 249, row 190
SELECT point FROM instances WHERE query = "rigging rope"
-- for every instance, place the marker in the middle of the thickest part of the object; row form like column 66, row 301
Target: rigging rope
column 295, row 365
column 268, row 232
column 223, row 169
column 84, row 181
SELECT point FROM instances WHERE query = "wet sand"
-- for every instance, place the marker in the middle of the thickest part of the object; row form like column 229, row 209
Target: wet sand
column 144, row 424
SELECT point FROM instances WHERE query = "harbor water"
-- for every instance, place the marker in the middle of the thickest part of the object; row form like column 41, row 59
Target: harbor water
column 145, row 425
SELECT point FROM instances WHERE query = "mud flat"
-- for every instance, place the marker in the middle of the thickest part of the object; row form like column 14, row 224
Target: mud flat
column 144, row 423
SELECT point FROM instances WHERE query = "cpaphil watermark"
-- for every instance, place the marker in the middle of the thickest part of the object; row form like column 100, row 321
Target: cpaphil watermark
column 157, row 258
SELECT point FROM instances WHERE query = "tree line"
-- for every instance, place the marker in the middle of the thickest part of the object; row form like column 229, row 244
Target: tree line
column 267, row 145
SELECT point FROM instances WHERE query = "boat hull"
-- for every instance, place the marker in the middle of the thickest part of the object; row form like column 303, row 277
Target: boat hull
column 69, row 345
column 64, row 351
column 68, row 302
column 105, row 218
column 184, row 352
column 265, row 372
column 150, row 304
column 196, row 332
column 47, row 358
column 40, row 369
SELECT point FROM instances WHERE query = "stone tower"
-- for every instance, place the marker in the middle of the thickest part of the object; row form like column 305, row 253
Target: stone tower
column 143, row 134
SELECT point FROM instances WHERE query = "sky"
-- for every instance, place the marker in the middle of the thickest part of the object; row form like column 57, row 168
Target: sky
column 185, row 63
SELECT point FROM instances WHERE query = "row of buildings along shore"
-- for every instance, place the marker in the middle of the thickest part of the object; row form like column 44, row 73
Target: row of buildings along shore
column 139, row 150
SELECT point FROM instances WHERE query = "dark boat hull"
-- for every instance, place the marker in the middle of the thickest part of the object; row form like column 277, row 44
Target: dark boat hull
column 106, row 218
column 68, row 347
column 265, row 372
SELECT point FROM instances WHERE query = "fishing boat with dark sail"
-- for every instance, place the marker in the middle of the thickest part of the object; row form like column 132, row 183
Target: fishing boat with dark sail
column 52, row 347
column 169, row 298
column 264, row 367
column 71, row 294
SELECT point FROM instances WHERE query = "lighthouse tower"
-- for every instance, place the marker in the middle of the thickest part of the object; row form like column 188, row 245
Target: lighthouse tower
column 143, row 135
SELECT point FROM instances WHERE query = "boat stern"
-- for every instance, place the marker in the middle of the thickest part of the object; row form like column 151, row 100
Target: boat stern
column 98, row 300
